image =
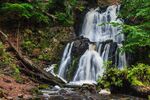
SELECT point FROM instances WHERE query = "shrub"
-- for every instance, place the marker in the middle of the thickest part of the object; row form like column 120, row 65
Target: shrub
column 138, row 75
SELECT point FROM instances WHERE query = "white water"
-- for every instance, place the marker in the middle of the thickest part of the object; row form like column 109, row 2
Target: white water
column 106, row 52
column 90, row 66
column 66, row 59
column 122, row 59
column 96, row 32
column 91, row 62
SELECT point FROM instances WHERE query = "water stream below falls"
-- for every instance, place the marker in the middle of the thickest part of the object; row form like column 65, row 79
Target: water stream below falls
column 105, row 40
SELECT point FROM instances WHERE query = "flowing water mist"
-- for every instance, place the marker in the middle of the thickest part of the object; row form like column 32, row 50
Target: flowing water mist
column 97, row 29
column 90, row 66
column 66, row 60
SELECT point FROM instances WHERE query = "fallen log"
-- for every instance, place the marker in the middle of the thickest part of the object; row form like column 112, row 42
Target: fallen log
column 32, row 69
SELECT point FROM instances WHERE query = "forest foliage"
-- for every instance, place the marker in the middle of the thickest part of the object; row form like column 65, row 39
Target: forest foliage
column 137, row 25
column 39, row 12
column 137, row 75
column 32, row 19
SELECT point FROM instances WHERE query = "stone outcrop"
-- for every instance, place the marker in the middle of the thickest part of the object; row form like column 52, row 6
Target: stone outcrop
column 80, row 46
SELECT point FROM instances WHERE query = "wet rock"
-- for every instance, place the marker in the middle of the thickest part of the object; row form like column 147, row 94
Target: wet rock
column 45, row 96
column 105, row 92
column 62, row 91
column 88, row 89
column 80, row 46
column 56, row 97
column 111, row 57
column 75, row 98
column 56, row 88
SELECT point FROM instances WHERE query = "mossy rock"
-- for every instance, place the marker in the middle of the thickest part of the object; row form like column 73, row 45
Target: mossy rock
column 43, row 86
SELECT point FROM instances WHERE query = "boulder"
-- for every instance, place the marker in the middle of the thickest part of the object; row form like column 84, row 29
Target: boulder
column 88, row 88
column 80, row 46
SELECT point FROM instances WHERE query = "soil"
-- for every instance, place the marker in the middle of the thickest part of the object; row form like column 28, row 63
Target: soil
column 10, row 89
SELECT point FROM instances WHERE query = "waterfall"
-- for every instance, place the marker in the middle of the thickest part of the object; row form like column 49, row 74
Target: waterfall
column 106, row 52
column 66, row 60
column 97, row 29
column 122, row 58
column 90, row 66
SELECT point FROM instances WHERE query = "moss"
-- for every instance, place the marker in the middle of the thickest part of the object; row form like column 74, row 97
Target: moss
column 72, row 69
column 35, row 91
column 56, row 68
column 16, row 73
column 43, row 86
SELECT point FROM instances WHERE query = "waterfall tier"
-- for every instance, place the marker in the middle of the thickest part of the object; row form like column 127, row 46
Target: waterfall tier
column 66, row 60
column 96, row 25
column 90, row 66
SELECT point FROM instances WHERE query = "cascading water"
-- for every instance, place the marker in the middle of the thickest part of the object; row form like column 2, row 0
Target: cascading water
column 106, row 52
column 95, row 29
column 122, row 59
column 66, row 60
column 90, row 67
column 91, row 62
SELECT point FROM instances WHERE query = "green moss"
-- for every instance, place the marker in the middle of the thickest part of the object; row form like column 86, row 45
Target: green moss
column 56, row 68
column 35, row 91
column 72, row 68
column 5, row 57
column 43, row 86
